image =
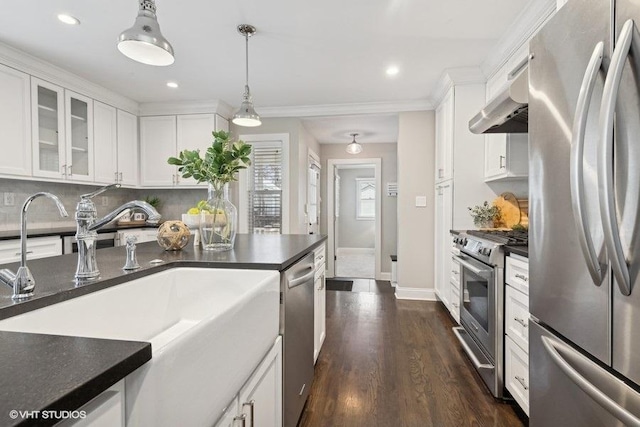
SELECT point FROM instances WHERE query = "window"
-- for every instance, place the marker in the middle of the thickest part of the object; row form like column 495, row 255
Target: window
column 365, row 199
column 265, row 189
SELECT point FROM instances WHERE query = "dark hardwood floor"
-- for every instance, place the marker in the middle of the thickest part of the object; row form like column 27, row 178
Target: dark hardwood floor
column 387, row 362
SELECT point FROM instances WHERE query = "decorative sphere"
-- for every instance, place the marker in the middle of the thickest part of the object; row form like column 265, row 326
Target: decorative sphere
column 173, row 235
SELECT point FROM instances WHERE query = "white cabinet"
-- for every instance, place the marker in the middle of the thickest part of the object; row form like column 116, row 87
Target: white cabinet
column 259, row 401
column 62, row 131
column 444, row 137
column 517, row 329
column 47, row 111
column 105, row 410
column 116, row 145
column 162, row 137
column 157, row 144
column 506, row 156
column 105, row 137
column 37, row 247
column 127, row 149
column 15, row 122
column 443, row 207
column 319, row 302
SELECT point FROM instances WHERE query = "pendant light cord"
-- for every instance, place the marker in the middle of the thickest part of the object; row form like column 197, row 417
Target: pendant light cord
column 246, row 55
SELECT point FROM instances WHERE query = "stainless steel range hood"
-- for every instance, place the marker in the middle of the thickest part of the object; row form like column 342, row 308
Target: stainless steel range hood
column 508, row 112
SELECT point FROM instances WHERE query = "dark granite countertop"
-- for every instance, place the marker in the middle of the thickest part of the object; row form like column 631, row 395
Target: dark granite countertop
column 66, row 231
column 455, row 232
column 85, row 367
column 56, row 373
column 518, row 250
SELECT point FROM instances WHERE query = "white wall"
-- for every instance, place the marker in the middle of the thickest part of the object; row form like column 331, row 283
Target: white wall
column 354, row 233
column 388, row 154
column 416, row 163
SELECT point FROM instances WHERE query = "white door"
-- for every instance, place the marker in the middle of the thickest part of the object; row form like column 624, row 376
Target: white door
column 194, row 132
column 15, row 122
column 313, row 195
column 127, row 149
column 79, row 136
column 47, row 112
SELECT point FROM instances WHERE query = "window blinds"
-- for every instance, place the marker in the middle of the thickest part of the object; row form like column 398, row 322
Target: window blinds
column 265, row 194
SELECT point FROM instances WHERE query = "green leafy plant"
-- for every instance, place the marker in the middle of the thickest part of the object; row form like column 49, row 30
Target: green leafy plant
column 221, row 162
column 484, row 214
column 153, row 201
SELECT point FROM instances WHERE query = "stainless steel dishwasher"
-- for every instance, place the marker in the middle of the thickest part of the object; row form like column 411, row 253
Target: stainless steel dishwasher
column 296, row 327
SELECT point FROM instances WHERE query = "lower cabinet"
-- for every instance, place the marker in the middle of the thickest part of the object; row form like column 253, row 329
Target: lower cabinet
column 319, row 303
column 516, row 378
column 259, row 401
column 105, row 410
column 37, row 247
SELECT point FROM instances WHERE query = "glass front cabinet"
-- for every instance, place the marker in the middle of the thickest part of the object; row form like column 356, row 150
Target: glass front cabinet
column 62, row 133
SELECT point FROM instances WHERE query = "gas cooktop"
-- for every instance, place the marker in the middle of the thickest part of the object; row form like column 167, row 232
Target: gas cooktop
column 504, row 237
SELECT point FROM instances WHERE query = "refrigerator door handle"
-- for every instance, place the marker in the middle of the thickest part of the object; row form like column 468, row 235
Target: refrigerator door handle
column 564, row 362
column 605, row 159
column 596, row 270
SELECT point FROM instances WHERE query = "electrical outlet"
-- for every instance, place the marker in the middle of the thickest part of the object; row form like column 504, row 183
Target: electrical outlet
column 105, row 200
column 9, row 199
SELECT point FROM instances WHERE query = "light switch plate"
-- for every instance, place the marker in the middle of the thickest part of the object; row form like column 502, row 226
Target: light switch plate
column 421, row 201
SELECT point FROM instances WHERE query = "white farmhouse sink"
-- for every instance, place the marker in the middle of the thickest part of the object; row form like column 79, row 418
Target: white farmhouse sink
column 208, row 329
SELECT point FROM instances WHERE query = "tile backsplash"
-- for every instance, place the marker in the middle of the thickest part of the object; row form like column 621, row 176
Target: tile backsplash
column 43, row 213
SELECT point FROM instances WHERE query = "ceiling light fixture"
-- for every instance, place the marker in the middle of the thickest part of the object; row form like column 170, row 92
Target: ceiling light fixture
column 68, row 19
column 172, row 85
column 246, row 114
column 354, row 147
column 392, row 70
column 144, row 42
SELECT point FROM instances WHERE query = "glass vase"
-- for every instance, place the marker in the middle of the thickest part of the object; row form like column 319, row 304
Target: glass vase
column 219, row 220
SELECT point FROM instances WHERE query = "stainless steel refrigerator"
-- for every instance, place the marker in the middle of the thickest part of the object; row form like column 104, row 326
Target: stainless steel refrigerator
column 584, row 237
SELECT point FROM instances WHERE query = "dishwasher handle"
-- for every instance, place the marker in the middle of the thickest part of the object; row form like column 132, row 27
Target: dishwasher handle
column 299, row 280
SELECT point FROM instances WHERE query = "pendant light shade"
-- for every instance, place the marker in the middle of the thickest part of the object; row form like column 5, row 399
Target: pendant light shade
column 354, row 147
column 144, row 42
column 246, row 114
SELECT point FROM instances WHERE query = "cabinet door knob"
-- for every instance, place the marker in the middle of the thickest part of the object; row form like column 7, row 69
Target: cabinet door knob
column 120, row 176
column 63, row 170
column 242, row 418
column 502, row 158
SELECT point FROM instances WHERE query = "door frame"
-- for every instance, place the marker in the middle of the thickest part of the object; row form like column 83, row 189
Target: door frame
column 331, row 214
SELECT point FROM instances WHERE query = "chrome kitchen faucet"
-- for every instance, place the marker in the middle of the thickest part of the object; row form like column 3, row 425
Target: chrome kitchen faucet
column 22, row 281
column 87, row 224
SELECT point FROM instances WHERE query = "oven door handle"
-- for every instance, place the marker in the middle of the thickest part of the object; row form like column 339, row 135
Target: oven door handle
column 470, row 353
column 474, row 269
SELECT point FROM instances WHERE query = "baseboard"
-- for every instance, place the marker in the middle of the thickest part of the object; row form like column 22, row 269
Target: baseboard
column 385, row 276
column 423, row 294
column 355, row 251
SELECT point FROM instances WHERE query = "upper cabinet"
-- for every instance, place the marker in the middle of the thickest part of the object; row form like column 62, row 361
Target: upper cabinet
column 506, row 156
column 116, row 145
column 62, row 130
column 15, row 122
column 162, row 137
column 444, row 137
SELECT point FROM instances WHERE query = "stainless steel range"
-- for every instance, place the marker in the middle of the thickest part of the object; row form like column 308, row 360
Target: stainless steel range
column 481, row 258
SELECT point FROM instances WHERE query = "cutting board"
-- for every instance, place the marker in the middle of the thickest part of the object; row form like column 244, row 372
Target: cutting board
column 510, row 212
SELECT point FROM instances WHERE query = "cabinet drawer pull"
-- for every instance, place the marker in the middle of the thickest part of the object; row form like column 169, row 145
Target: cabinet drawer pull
column 63, row 170
column 522, row 277
column 120, row 176
column 502, row 158
column 251, row 404
column 521, row 381
column 116, row 176
column 69, row 170
column 20, row 253
column 521, row 321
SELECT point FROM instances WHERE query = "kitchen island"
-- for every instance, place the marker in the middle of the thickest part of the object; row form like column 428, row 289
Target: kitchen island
column 67, row 389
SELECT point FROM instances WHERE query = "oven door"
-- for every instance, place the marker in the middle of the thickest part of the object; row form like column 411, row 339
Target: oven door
column 477, row 302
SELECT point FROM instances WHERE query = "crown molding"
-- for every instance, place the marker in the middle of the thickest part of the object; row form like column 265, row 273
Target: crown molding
column 455, row 77
column 525, row 26
column 345, row 109
column 29, row 64
column 188, row 107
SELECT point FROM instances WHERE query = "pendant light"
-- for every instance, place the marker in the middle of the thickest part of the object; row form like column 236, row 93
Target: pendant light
column 144, row 42
column 354, row 147
column 246, row 114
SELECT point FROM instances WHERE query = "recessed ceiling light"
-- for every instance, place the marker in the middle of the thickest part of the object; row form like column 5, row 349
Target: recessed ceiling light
column 392, row 70
column 172, row 85
column 68, row 19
